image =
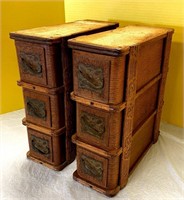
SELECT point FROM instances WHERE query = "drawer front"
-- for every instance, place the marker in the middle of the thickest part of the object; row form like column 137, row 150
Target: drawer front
column 43, row 109
column 32, row 64
column 40, row 145
column 98, row 127
column 91, row 75
column 38, row 110
column 92, row 167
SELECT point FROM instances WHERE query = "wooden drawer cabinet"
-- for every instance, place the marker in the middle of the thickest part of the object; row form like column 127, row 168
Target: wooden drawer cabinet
column 119, row 80
column 42, row 52
column 45, row 66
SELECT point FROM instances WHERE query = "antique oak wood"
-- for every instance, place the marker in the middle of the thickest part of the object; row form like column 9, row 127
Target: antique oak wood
column 46, row 78
column 119, row 79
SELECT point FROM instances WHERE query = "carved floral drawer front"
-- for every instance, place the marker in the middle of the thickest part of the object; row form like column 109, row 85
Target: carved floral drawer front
column 40, row 64
column 97, row 169
column 98, row 127
column 92, row 167
column 40, row 145
column 98, row 77
column 32, row 63
column 44, row 110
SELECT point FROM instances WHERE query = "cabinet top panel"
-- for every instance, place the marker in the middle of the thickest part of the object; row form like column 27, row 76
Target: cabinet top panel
column 119, row 40
column 57, row 32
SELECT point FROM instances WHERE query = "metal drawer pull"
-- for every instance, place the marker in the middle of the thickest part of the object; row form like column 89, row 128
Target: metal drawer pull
column 36, row 108
column 90, row 77
column 40, row 145
column 92, row 167
column 92, row 124
column 31, row 64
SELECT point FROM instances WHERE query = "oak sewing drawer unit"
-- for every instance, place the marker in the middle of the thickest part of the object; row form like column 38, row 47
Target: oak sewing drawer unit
column 45, row 68
column 119, row 79
column 46, row 145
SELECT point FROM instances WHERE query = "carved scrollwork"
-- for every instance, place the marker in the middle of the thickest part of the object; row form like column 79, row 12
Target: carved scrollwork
column 90, row 78
column 31, row 64
column 92, row 167
column 36, row 108
column 127, row 148
column 92, row 124
column 40, row 145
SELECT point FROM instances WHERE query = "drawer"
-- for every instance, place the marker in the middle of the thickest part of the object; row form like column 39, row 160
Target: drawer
column 98, row 127
column 48, row 147
column 97, row 169
column 44, row 109
column 39, row 64
column 98, row 77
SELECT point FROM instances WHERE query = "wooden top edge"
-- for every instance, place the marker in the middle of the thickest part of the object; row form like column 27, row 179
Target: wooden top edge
column 96, row 150
column 57, row 32
column 118, row 41
column 98, row 105
column 51, row 91
column 53, row 132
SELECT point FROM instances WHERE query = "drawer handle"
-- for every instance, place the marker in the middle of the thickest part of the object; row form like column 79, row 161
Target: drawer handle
column 31, row 64
column 92, row 167
column 90, row 78
column 92, row 124
column 40, row 145
column 36, row 108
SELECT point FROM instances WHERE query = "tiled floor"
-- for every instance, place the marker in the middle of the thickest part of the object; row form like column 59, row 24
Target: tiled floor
column 159, row 176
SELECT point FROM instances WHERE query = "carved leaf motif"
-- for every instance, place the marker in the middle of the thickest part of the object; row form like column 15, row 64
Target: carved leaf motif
column 36, row 108
column 40, row 145
column 92, row 124
column 31, row 64
column 92, row 167
column 90, row 78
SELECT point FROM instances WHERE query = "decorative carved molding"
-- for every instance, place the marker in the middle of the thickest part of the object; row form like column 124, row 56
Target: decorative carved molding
column 90, row 78
column 92, row 167
column 40, row 145
column 92, row 124
column 36, row 108
column 127, row 148
column 31, row 64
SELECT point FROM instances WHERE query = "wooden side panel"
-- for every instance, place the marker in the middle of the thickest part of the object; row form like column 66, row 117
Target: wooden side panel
column 113, row 172
column 54, row 65
column 165, row 62
column 141, row 140
column 145, row 104
column 117, row 78
column 149, row 62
